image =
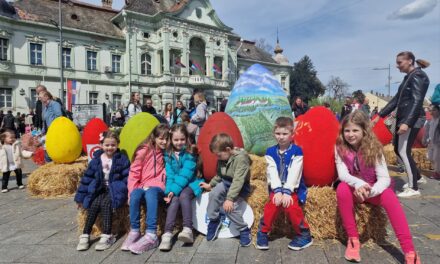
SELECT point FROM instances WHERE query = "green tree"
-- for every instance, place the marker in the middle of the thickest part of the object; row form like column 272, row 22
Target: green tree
column 304, row 82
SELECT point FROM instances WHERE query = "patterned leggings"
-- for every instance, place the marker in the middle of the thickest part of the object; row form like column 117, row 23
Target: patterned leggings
column 101, row 203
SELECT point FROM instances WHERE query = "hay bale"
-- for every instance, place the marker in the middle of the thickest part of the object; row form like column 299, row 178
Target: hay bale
column 56, row 180
column 389, row 154
column 421, row 158
column 258, row 168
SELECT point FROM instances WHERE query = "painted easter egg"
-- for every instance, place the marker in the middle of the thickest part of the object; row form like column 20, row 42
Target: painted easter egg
column 90, row 135
column 316, row 134
column 63, row 141
column 256, row 101
column 216, row 124
column 135, row 131
column 382, row 133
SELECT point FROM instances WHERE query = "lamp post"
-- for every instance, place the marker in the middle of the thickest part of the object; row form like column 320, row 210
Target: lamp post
column 389, row 76
column 59, row 25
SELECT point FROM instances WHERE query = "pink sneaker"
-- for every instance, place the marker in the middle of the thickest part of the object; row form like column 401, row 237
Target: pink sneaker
column 132, row 237
column 412, row 258
column 352, row 253
column 145, row 243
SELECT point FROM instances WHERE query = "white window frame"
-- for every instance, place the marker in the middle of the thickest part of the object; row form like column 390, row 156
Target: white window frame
column 116, row 64
column 3, row 93
column 65, row 66
column 96, row 60
column 90, row 97
column 32, row 50
column 144, row 71
column 114, row 102
column 4, row 54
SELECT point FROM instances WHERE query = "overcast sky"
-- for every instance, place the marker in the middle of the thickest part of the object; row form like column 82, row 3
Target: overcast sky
column 344, row 38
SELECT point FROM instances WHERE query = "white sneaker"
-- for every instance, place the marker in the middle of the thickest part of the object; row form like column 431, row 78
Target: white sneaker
column 165, row 244
column 5, row 190
column 21, row 187
column 186, row 236
column 422, row 180
column 105, row 242
column 407, row 193
column 83, row 243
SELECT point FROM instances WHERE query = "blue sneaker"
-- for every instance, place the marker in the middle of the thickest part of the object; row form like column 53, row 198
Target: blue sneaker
column 301, row 241
column 245, row 237
column 213, row 228
column 262, row 241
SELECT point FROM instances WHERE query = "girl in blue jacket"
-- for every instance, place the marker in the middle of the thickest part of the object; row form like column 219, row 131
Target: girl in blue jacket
column 182, row 185
column 103, row 188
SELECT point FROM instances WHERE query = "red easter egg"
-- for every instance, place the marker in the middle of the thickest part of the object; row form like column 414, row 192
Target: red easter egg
column 382, row 133
column 216, row 124
column 316, row 134
column 91, row 132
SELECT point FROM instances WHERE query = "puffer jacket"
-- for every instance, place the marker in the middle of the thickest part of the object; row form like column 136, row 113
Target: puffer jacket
column 18, row 153
column 92, row 182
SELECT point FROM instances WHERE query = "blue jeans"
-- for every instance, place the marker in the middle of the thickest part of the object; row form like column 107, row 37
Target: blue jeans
column 152, row 197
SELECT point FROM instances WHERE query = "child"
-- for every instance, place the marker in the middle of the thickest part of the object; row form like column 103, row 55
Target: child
column 146, row 182
column 286, row 189
column 103, row 188
column 364, row 176
column 432, row 134
column 181, row 185
column 228, row 188
column 10, row 158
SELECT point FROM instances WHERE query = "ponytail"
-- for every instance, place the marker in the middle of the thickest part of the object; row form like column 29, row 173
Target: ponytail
column 423, row 63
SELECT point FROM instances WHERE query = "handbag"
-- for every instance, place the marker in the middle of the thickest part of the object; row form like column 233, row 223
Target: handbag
column 391, row 122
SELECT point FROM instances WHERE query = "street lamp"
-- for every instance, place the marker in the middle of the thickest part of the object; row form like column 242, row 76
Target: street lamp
column 389, row 76
column 59, row 25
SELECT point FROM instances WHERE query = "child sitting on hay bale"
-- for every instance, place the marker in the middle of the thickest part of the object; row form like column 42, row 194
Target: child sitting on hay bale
column 364, row 177
column 228, row 188
column 287, row 189
column 146, row 181
column 103, row 188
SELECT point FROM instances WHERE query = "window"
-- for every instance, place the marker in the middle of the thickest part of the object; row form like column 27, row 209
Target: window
column 36, row 54
column 116, row 63
column 34, row 98
column 67, row 52
column 93, row 98
column 5, row 97
column 283, row 82
column 117, row 100
column 146, row 64
column 3, row 49
column 91, row 60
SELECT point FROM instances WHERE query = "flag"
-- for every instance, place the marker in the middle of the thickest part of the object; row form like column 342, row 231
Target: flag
column 216, row 69
column 72, row 90
column 179, row 64
column 195, row 66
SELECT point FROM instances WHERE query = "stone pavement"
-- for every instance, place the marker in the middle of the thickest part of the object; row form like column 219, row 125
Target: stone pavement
column 45, row 231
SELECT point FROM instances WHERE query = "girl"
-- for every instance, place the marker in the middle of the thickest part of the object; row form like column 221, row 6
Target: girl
column 10, row 158
column 181, row 186
column 364, row 178
column 168, row 112
column 103, row 188
column 134, row 105
column 433, row 139
column 146, row 181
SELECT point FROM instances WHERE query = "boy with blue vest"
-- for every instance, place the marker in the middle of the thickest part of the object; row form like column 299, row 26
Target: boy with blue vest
column 286, row 187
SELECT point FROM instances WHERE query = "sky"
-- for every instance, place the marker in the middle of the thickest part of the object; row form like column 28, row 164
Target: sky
column 343, row 38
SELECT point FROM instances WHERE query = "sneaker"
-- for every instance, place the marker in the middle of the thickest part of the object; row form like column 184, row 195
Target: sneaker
column 5, row 190
column 20, row 187
column 145, row 243
column 132, row 237
column 213, row 229
column 165, row 244
column 245, row 237
column 186, row 236
column 408, row 193
column 301, row 241
column 412, row 258
column 84, row 242
column 262, row 241
column 105, row 242
column 352, row 253
column 422, row 180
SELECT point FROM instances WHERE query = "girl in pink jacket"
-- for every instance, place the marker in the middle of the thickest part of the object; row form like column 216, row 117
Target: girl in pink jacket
column 146, row 181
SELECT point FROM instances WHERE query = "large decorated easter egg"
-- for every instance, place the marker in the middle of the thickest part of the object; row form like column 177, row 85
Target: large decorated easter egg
column 382, row 133
column 90, row 135
column 216, row 124
column 316, row 134
column 256, row 101
column 63, row 141
column 135, row 131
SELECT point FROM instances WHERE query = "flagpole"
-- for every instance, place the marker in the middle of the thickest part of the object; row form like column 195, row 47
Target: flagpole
column 174, row 81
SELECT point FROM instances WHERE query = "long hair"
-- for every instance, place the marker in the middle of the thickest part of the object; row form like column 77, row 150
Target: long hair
column 370, row 148
column 179, row 128
column 160, row 130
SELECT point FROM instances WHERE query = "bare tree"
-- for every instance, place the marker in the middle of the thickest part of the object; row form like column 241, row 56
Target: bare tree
column 337, row 88
column 264, row 45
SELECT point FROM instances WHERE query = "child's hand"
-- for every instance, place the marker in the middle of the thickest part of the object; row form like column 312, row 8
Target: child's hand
column 228, row 206
column 207, row 187
column 362, row 193
column 277, row 199
column 169, row 197
column 287, row 200
column 79, row 206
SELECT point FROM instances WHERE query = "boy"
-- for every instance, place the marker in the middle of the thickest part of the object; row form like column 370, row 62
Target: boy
column 286, row 188
column 228, row 188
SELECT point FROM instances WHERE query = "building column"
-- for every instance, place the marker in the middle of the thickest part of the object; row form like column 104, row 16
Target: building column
column 166, row 50
column 209, row 54
column 185, row 54
column 225, row 66
column 157, row 64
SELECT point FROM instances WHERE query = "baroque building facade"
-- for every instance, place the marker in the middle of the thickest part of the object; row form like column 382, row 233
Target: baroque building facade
column 163, row 49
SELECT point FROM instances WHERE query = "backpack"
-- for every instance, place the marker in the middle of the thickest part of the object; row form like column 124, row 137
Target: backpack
column 64, row 111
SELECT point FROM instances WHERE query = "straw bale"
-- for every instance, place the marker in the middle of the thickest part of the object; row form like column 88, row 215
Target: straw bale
column 258, row 168
column 389, row 154
column 421, row 158
column 56, row 180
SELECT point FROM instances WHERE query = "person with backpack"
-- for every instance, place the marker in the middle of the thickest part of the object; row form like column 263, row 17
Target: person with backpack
column 8, row 122
column 133, row 106
column 178, row 111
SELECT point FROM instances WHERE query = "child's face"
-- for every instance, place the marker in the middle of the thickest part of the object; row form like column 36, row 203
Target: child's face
column 109, row 145
column 161, row 142
column 283, row 135
column 223, row 155
column 178, row 140
column 10, row 139
column 353, row 134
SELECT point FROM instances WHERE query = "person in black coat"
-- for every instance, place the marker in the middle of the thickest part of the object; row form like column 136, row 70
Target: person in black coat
column 299, row 107
column 346, row 108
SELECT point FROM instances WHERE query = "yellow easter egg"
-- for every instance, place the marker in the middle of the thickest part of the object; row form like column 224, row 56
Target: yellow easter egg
column 63, row 141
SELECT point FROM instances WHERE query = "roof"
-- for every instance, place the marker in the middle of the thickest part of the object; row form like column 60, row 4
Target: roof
column 248, row 50
column 6, row 9
column 152, row 7
column 76, row 15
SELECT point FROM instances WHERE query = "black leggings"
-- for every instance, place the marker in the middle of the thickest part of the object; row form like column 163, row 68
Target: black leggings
column 402, row 147
column 101, row 203
column 18, row 177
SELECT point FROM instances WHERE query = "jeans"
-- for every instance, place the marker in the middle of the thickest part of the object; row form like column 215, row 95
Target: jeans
column 184, row 201
column 152, row 196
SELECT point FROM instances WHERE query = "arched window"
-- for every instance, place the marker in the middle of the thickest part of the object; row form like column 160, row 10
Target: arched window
column 146, row 64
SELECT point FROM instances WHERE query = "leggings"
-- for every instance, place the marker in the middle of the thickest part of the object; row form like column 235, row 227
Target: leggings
column 184, row 201
column 18, row 177
column 101, row 203
column 402, row 147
